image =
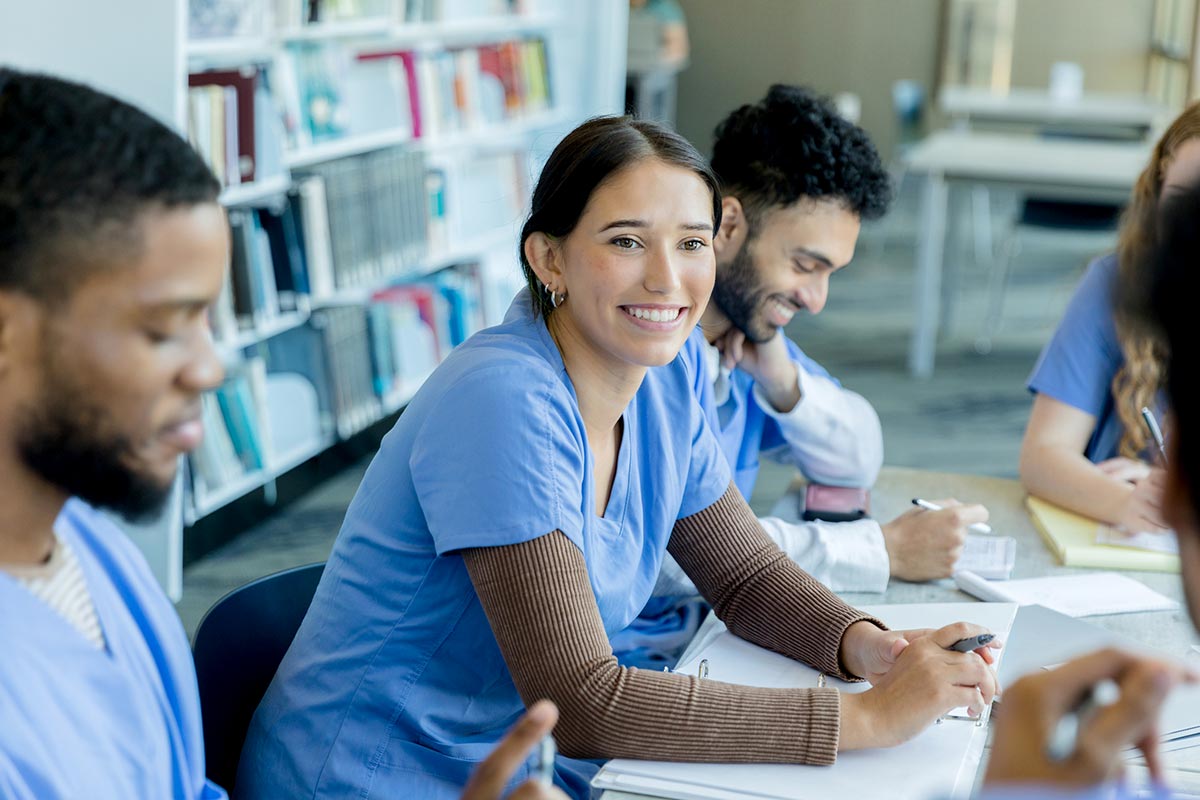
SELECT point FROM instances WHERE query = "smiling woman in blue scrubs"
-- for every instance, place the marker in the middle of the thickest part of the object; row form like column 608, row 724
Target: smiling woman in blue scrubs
column 518, row 514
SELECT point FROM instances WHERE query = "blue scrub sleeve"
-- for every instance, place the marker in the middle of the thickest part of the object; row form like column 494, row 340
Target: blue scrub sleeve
column 1079, row 363
column 708, row 474
column 499, row 460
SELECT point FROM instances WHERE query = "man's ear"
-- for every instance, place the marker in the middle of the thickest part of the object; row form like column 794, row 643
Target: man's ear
column 544, row 254
column 732, row 234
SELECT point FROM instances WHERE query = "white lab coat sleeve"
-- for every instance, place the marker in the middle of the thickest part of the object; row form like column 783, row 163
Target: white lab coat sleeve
column 845, row 556
column 833, row 434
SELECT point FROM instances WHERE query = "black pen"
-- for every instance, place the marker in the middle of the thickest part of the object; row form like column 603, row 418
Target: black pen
column 971, row 643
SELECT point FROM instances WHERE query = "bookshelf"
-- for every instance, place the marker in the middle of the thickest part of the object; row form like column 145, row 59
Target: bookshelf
column 375, row 200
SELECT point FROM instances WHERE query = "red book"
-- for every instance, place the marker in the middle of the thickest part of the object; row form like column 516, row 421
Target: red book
column 514, row 86
column 243, row 82
column 410, row 77
column 492, row 62
column 422, row 297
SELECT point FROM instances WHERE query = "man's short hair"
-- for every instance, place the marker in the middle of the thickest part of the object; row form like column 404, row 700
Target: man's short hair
column 793, row 145
column 76, row 168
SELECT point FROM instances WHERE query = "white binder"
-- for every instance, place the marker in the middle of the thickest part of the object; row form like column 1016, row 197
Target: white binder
column 939, row 762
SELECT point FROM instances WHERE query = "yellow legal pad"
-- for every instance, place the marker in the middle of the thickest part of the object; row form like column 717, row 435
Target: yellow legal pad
column 1073, row 539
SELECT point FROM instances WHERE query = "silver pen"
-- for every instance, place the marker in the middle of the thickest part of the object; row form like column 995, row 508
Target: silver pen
column 543, row 760
column 1155, row 432
column 1066, row 732
column 974, row 527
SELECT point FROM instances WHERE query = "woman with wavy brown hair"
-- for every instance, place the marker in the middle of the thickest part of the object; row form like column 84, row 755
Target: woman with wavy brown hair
column 1085, row 446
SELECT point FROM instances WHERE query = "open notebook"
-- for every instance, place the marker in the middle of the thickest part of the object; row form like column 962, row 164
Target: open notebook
column 939, row 762
column 1082, row 542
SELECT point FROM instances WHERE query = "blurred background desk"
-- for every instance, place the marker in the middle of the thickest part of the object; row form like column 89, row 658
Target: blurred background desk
column 1134, row 114
column 1062, row 169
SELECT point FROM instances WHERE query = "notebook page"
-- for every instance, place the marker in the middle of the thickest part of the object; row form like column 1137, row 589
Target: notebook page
column 1143, row 540
column 1074, row 595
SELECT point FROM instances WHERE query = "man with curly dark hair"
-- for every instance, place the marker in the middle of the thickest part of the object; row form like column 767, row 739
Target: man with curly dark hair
column 798, row 180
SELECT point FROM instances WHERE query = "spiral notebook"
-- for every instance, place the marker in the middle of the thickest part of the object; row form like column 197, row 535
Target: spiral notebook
column 939, row 762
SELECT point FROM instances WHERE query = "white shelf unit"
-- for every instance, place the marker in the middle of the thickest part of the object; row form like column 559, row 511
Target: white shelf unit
column 148, row 64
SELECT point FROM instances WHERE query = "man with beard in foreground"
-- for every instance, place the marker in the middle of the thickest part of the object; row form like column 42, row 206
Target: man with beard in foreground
column 112, row 249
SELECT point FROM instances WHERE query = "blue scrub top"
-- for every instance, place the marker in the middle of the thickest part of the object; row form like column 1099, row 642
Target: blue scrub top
column 1079, row 363
column 120, row 723
column 743, row 429
column 395, row 686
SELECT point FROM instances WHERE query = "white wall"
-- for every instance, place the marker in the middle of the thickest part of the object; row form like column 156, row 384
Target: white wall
column 138, row 39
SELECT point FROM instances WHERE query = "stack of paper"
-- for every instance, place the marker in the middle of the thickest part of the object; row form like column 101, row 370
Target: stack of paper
column 939, row 762
column 1077, row 542
column 991, row 557
column 1074, row 595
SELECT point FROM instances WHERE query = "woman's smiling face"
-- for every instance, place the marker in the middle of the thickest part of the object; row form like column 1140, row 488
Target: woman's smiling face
column 639, row 267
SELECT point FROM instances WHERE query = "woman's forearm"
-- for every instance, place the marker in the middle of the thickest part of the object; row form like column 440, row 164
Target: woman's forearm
column 1072, row 481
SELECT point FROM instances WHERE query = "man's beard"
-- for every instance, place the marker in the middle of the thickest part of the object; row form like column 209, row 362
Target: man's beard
column 64, row 440
column 740, row 297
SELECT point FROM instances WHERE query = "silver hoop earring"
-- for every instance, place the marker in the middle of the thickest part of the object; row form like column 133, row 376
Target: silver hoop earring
column 554, row 301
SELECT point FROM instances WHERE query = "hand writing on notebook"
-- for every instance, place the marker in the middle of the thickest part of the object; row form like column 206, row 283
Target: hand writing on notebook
column 1033, row 706
column 915, row 680
column 1124, row 469
column 1142, row 507
column 494, row 772
column 925, row 545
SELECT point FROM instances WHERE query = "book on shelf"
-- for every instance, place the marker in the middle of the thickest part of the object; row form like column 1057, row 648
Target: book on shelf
column 237, row 437
column 442, row 10
column 233, row 123
column 225, row 19
column 479, row 194
column 291, row 14
column 333, row 90
column 240, row 437
column 364, row 359
column 364, row 219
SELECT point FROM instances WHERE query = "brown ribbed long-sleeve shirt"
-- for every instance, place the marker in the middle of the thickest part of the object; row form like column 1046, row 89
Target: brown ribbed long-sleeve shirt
column 543, row 613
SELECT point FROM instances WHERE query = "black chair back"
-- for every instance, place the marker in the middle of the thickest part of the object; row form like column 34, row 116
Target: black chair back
column 237, row 648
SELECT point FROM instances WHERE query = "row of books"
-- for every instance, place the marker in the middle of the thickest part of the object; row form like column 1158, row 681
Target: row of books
column 351, row 223
column 365, row 219
column 331, row 91
column 211, row 19
column 233, row 123
column 364, row 359
column 237, row 439
column 297, row 13
column 441, row 10
column 353, row 364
